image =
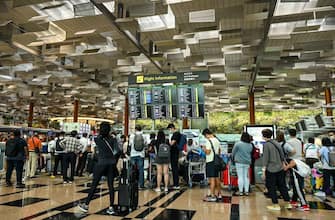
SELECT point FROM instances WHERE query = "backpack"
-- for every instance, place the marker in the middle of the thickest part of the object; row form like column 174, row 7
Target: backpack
column 163, row 151
column 139, row 142
column 256, row 153
column 331, row 156
column 11, row 148
column 182, row 142
column 58, row 146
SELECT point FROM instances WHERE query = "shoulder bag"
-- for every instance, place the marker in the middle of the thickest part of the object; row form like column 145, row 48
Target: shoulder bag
column 219, row 164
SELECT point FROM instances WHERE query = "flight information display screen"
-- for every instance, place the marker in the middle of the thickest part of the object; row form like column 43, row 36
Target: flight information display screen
column 166, row 102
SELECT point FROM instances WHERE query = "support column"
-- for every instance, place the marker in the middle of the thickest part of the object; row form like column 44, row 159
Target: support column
column 185, row 123
column 76, row 110
column 328, row 98
column 126, row 116
column 252, row 108
column 31, row 114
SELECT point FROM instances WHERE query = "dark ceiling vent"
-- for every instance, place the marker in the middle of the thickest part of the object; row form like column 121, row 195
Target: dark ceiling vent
column 84, row 9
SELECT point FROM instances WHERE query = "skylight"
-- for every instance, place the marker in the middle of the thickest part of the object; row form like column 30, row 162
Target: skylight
column 157, row 22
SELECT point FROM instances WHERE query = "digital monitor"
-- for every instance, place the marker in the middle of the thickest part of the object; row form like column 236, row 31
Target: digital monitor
column 319, row 121
column 256, row 132
column 303, row 125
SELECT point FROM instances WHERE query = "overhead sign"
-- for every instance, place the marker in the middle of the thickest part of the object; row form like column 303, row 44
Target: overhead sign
column 186, row 77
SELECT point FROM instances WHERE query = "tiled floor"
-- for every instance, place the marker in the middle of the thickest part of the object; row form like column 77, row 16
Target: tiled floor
column 46, row 198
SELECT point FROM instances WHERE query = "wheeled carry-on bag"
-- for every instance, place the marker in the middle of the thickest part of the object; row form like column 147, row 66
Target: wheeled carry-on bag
column 128, row 186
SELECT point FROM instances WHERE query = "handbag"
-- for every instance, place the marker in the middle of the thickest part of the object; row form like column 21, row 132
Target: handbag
column 219, row 164
column 302, row 169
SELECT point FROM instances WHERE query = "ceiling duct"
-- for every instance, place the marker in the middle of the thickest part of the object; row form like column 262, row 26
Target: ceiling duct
column 84, row 9
column 6, row 32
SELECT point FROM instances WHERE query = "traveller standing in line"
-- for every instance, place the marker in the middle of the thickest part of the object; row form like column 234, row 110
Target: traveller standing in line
column 328, row 170
column 71, row 147
column 273, row 171
column 295, row 143
column 174, row 154
column 16, row 152
column 311, row 152
column 212, row 143
column 58, row 153
column 162, row 161
column 242, row 157
column 137, row 153
column 108, row 156
column 85, row 143
column 34, row 148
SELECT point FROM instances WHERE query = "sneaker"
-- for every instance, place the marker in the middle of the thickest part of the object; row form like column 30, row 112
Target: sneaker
column 304, row 208
column 83, row 207
column 241, row 194
column 275, row 207
column 65, row 182
column 166, row 189
column 246, row 194
column 8, row 184
column 176, row 187
column 288, row 206
column 157, row 190
column 294, row 204
column 141, row 188
column 69, row 182
column 210, row 199
column 110, row 211
column 20, row 186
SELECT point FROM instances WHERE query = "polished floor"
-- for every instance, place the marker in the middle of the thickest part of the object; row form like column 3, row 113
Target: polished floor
column 46, row 198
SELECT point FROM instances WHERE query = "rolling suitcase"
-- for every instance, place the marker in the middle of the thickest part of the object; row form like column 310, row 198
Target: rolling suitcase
column 128, row 186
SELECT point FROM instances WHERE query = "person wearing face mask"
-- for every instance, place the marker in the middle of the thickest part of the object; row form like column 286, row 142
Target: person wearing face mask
column 109, row 153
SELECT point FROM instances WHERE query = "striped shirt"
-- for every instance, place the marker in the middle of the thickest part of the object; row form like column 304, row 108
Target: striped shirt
column 71, row 144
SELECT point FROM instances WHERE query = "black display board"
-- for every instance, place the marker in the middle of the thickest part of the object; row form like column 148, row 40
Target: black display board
column 166, row 102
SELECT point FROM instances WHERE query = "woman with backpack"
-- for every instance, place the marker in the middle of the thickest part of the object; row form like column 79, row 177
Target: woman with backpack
column 241, row 155
column 328, row 168
column 162, row 160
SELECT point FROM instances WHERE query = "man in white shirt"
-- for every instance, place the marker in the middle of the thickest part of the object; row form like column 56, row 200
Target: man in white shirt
column 137, row 154
column 85, row 142
column 295, row 143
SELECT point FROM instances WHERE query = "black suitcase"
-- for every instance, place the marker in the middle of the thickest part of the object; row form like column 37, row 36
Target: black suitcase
column 128, row 186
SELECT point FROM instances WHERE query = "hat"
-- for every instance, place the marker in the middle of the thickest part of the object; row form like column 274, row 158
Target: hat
column 170, row 126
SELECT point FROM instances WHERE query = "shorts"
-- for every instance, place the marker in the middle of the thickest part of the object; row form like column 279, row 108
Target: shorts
column 211, row 172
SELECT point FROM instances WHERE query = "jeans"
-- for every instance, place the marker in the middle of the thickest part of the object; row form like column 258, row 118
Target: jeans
column 326, row 180
column 276, row 181
column 18, row 164
column 58, row 158
column 174, row 166
column 69, row 159
column 81, row 164
column 243, row 177
column 99, row 171
column 139, row 162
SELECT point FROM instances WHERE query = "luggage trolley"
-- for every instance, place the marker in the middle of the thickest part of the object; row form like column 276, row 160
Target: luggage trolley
column 197, row 172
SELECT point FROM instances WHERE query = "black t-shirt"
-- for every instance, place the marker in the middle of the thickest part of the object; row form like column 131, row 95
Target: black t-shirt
column 175, row 137
column 20, row 143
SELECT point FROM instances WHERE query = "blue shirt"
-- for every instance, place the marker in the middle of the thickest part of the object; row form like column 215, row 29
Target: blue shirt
column 242, row 152
column 325, row 158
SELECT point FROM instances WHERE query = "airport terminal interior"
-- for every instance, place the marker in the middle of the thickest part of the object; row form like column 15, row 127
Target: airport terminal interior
column 76, row 65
